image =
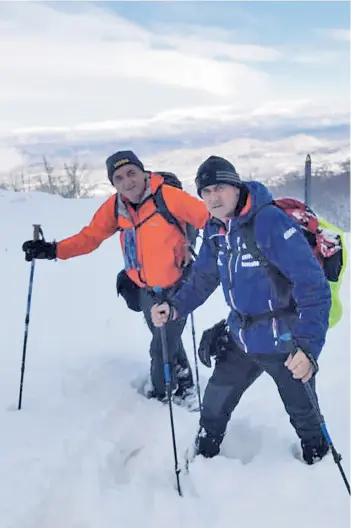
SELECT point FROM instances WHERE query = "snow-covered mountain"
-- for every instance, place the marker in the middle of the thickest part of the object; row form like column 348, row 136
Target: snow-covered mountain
column 267, row 142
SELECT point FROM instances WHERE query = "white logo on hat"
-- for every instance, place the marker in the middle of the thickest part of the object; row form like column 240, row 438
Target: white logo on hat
column 121, row 162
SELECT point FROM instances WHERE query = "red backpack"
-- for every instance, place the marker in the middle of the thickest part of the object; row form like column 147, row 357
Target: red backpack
column 326, row 244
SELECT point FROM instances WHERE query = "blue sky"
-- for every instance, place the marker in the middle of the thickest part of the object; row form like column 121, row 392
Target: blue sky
column 260, row 22
column 299, row 25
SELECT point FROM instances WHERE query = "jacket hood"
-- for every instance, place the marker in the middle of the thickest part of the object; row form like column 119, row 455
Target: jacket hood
column 259, row 194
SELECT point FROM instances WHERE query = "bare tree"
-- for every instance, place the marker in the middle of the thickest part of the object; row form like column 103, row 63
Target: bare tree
column 49, row 170
column 72, row 182
column 75, row 174
column 323, row 171
column 345, row 167
column 16, row 180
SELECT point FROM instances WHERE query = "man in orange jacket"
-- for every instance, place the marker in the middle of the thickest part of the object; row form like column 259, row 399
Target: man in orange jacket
column 156, row 254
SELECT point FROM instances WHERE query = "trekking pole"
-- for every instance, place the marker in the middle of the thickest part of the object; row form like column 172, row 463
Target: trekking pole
column 195, row 358
column 308, row 180
column 37, row 232
column 337, row 457
column 167, row 376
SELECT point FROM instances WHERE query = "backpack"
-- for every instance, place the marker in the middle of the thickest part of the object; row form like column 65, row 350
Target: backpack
column 124, row 285
column 191, row 232
column 326, row 241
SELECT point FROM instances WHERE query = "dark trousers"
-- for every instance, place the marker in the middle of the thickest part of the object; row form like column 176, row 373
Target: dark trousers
column 234, row 374
column 180, row 369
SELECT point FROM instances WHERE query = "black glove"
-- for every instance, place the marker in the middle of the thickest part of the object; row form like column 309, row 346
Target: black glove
column 214, row 342
column 39, row 249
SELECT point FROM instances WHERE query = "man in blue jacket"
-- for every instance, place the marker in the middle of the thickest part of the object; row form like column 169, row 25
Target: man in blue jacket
column 278, row 316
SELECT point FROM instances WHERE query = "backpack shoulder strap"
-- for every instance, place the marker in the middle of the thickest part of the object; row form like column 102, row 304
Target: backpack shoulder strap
column 248, row 233
column 162, row 208
column 116, row 205
column 116, row 211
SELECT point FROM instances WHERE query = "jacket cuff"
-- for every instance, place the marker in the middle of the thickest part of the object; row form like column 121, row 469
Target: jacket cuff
column 314, row 362
column 310, row 356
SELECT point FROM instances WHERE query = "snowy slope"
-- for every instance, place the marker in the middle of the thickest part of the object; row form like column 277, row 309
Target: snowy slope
column 87, row 451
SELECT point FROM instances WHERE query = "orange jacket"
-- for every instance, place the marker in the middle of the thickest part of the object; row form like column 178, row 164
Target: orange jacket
column 160, row 247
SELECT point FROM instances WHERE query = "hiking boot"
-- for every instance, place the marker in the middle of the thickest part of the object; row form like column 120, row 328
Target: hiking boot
column 314, row 449
column 207, row 445
column 152, row 394
column 184, row 377
column 182, row 373
column 187, row 398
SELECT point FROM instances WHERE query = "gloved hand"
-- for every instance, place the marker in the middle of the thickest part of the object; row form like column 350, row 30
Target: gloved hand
column 214, row 342
column 39, row 249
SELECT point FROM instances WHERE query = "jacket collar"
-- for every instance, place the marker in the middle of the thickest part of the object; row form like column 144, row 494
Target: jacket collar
column 152, row 181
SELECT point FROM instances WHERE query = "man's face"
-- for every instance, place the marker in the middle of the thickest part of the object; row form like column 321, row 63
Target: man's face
column 221, row 199
column 129, row 181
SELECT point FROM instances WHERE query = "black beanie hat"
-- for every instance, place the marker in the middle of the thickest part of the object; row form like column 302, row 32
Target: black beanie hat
column 216, row 170
column 117, row 160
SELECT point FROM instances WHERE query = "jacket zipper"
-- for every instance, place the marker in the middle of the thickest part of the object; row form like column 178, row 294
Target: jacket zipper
column 274, row 324
column 241, row 332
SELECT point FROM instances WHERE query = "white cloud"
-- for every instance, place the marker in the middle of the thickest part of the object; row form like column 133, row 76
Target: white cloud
column 82, row 73
column 58, row 67
column 212, row 42
column 316, row 57
column 337, row 34
column 189, row 122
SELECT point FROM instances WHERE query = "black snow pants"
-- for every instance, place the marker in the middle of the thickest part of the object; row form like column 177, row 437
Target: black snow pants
column 235, row 373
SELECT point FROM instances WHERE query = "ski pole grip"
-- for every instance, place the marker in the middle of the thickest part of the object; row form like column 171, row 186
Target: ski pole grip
column 36, row 232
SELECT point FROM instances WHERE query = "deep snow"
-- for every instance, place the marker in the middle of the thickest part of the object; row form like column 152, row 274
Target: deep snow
column 88, row 451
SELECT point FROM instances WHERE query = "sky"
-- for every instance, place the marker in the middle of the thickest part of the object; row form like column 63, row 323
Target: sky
column 80, row 66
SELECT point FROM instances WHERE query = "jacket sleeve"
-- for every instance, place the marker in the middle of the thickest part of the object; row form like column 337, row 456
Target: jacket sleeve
column 102, row 226
column 185, row 207
column 283, row 243
column 201, row 282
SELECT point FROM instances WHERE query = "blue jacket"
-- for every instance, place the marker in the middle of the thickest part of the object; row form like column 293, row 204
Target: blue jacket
column 249, row 289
